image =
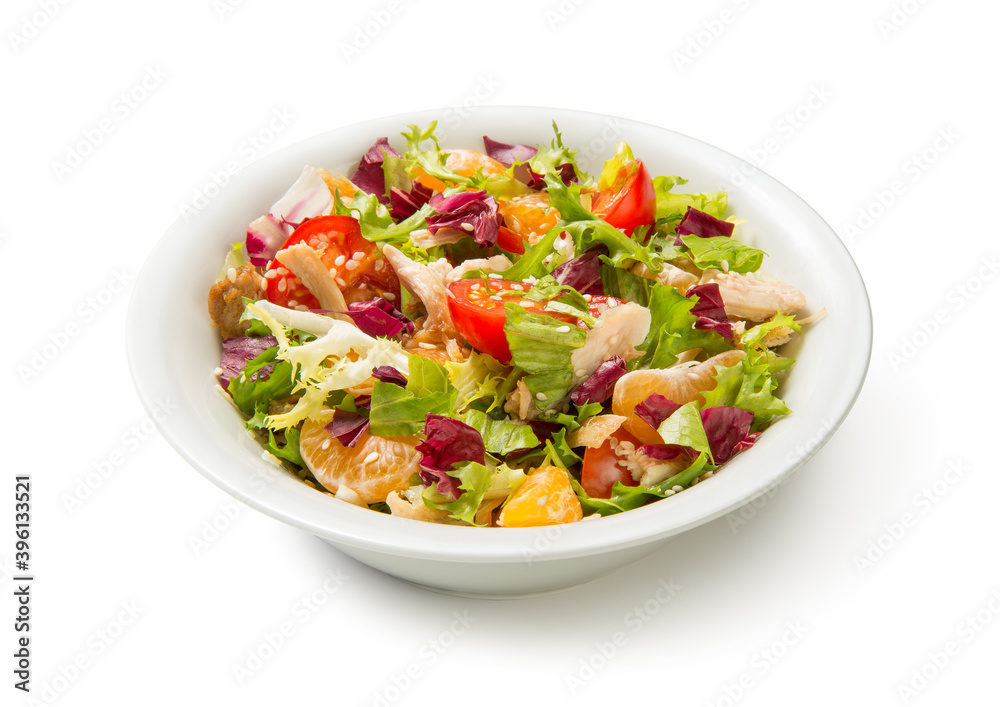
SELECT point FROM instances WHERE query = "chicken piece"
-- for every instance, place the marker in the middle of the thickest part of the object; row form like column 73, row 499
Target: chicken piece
column 225, row 299
column 304, row 262
column 670, row 275
column 747, row 297
column 617, row 333
column 520, row 403
column 595, row 431
column 428, row 284
column 495, row 263
column 412, row 506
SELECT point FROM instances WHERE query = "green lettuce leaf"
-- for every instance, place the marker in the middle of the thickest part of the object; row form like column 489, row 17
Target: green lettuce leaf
column 288, row 452
column 542, row 347
column 748, row 386
column 617, row 170
column 475, row 480
column 481, row 378
column 500, row 436
column 684, row 427
column 549, row 159
column 671, row 207
column 397, row 411
column 626, row 498
column 376, row 223
column 711, row 252
column 249, row 393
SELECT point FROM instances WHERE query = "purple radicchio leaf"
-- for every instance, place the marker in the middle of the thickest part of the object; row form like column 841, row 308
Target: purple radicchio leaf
column 240, row 350
column 583, row 273
column 710, row 309
column 471, row 212
column 377, row 317
column 601, row 383
column 655, row 409
column 726, row 427
column 745, row 443
column 403, row 204
column 389, row 374
column 447, row 442
column 506, row 154
column 347, row 426
column 663, row 452
column 369, row 176
column 698, row 223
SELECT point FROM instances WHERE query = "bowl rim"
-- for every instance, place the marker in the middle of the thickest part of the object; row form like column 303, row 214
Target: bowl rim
column 361, row 528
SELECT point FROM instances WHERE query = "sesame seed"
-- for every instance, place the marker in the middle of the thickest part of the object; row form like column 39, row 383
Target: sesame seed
column 542, row 396
column 426, row 346
column 282, row 285
column 231, row 274
column 301, row 308
column 519, row 288
column 379, row 264
column 669, row 492
column 292, row 302
column 541, row 500
column 282, row 271
column 614, row 339
column 495, row 276
column 498, row 298
column 725, row 266
column 373, row 457
column 313, row 242
column 351, row 265
column 340, row 282
column 563, row 329
column 389, row 297
column 339, row 260
column 675, row 489
column 218, row 371
column 325, row 445
column 451, row 294
column 529, row 303
column 622, row 463
column 588, row 297
column 270, row 274
column 468, row 227
column 356, row 214
column 476, row 286
column 580, row 372
column 358, row 255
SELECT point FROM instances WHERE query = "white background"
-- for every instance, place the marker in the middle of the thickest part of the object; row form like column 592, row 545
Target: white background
column 868, row 567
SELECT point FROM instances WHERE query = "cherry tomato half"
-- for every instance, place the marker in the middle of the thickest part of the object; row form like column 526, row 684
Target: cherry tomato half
column 631, row 205
column 601, row 468
column 361, row 271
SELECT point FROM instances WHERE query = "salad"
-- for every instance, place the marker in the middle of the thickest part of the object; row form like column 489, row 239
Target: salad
column 496, row 338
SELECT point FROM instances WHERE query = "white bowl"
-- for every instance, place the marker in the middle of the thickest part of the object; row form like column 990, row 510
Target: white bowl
column 173, row 350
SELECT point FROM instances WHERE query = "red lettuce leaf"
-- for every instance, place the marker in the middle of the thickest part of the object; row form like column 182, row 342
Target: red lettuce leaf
column 710, row 309
column 240, row 350
column 655, row 409
column 601, row 383
column 377, row 317
column 403, row 204
column 447, row 442
column 506, row 154
column 369, row 176
column 347, row 426
column 389, row 374
column 699, row 223
column 726, row 428
column 583, row 273
column 473, row 212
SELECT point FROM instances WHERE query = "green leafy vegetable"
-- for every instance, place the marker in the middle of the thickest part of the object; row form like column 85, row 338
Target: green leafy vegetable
column 249, row 391
column 711, row 252
column 474, row 479
column 397, row 411
column 671, row 207
column 542, row 346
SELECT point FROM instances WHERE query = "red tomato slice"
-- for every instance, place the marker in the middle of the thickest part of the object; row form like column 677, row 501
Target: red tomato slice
column 477, row 309
column 510, row 241
column 361, row 271
column 631, row 206
column 601, row 468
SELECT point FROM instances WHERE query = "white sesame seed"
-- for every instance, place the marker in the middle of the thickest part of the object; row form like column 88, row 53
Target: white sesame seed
column 389, row 297
column 373, row 457
column 564, row 328
column 351, row 265
column 614, row 339
column 541, row 500
column 292, row 302
column 495, row 276
column 282, row 271
column 677, row 488
column 588, row 297
column 339, row 260
column 498, row 298
column 270, row 274
column 358, row 255
column 379, row 264
column 580, row 372
column 356, row 214
column 542, row 396
column 301, row 308
column 476, row 286
column 340, row 282
column 313, row 242
column 282, row 285
column 669, row 492
column 725, row 266
column 468, row 227
column 325, row 445
column 529, row 303
column 231, row 274
column 451, row 294
column 515, row 286
column 218, row 371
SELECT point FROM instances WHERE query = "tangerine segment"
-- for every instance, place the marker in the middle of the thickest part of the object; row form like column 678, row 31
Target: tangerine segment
column 372, row 468
column 338, row 185
column 529, row 216
column 681, row 383
column 545, row 498
column 462, row 162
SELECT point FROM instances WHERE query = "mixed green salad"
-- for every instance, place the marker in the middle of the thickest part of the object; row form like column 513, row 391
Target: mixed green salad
column 493, row 337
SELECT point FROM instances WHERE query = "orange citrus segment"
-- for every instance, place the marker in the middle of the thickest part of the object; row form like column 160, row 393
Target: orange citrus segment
column 682, row 384
column 463, row 162
column 529, row 216
column 372, row 468
column 545, row 498
column 338, row 185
